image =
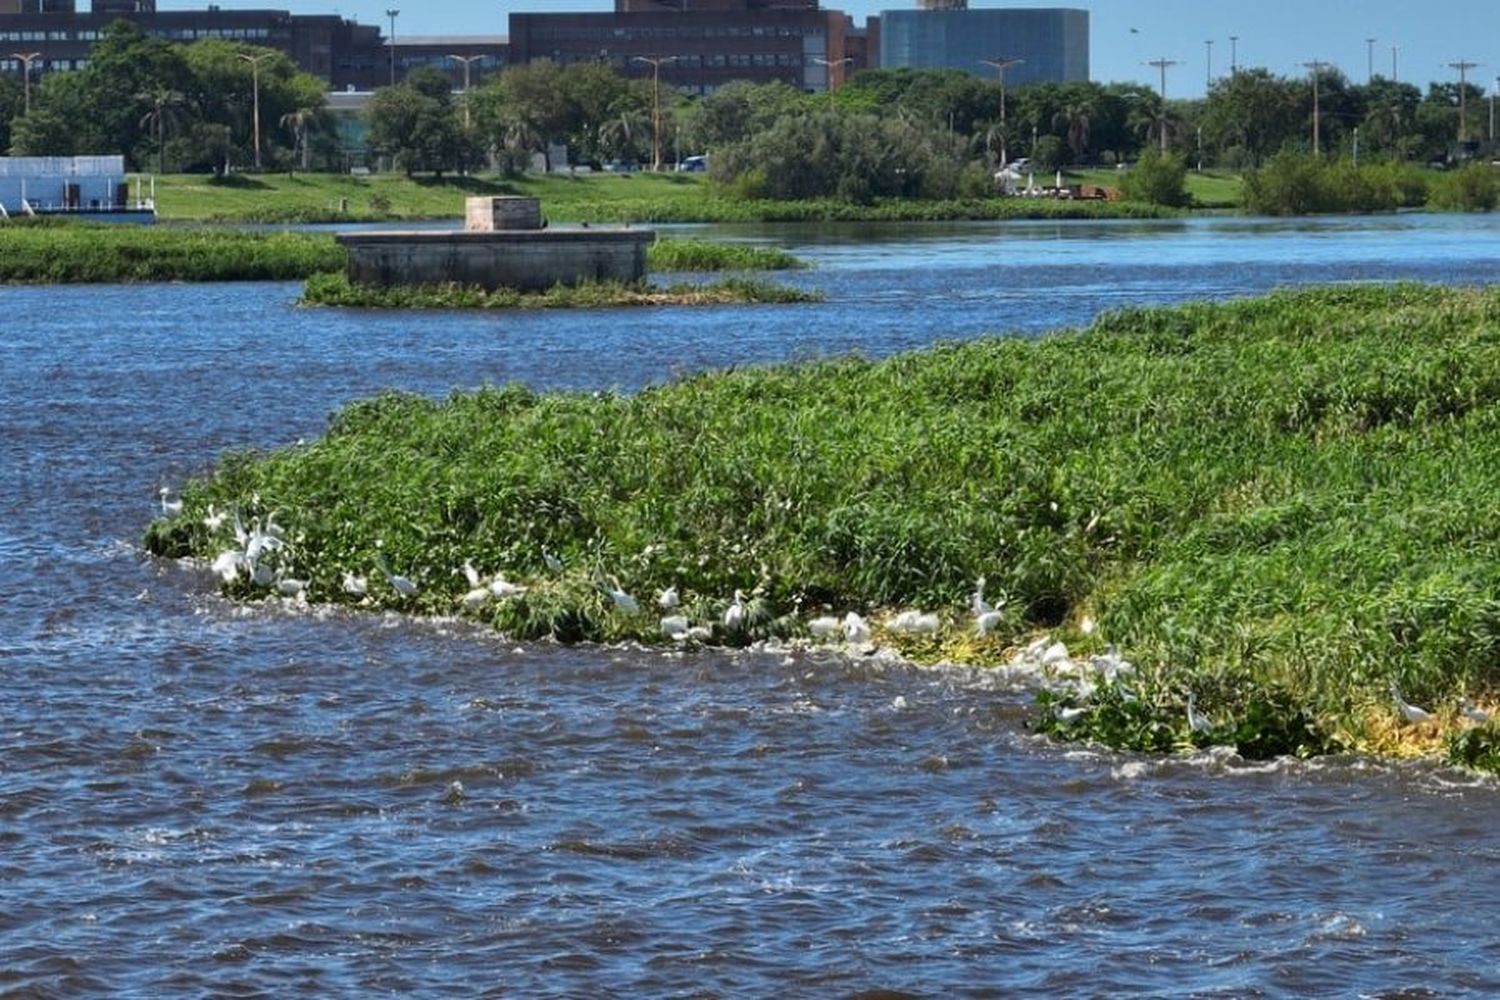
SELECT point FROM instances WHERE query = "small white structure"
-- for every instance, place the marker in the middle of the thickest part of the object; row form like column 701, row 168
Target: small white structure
column 54, row 185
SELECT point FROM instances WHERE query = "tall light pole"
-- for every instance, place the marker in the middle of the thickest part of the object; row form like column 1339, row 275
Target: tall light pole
column 1163, row 64
column 1463, row 66
column 254, row 62
column 1492, row 108
column 1395, row 74
column 1001, row 64
column 1370, row 60
column 26, row 60
column 1208, row 77
column 831, row 64
column 467, row 61
column 391, row 13
column 655, row 62
column 1315, row 68
column 1234, row 54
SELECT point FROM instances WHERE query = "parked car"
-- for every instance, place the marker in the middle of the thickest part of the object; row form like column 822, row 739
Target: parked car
column 622, row 167
column 693, row 165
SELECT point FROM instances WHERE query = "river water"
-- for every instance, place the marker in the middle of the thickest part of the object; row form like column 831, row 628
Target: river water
column 202, row 799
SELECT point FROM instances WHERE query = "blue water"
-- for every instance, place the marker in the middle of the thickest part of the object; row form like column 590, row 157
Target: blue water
column 198, row 798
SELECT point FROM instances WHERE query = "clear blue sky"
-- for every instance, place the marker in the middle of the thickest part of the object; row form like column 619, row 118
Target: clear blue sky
column 1280, row 34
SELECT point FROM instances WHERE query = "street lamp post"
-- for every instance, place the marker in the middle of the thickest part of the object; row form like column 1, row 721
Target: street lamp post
column 831, row 64
column 391, row 13
column 1208, row 78
column 26, row 60
column 1001, row 64
column 1315, row 68
column 1163, row 64
column 467, row 61
column 254, row 62
column 1370, row 60
column 1492, row 108
column 1234, row 54
column 655, row 62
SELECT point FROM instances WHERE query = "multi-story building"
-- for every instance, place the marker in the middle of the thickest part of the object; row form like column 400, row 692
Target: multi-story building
column 700, row 44
column 1051, row 44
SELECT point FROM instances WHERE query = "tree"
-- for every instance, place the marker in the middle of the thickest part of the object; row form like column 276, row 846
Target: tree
column 416, row 125
column 1256, row 113
column 1074, row 117
column 522, row 111
column 168, row 110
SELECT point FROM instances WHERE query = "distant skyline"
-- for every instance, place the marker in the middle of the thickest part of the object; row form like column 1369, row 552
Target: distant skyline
column 1278, row 34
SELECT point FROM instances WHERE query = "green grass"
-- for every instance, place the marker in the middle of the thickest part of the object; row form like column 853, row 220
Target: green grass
column 586, row 198
column 1209, row 189
column 1279, row 505
column 70, row 252
column 335, row 290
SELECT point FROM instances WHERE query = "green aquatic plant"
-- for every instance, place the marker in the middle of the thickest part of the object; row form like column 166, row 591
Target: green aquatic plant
column 337, row 290
column 1278, row 505
column 701, row 255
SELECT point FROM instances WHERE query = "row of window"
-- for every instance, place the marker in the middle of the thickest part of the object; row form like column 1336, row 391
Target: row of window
column 620, row 60
column 176, row 34
column 38, row 65
column 737, row 31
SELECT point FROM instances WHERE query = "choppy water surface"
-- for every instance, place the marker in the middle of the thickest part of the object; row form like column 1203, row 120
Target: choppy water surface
column 201, row 799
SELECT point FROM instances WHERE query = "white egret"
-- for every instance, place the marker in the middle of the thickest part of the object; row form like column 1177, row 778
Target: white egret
column 401, row 584
column 289, row 587
column 471, row 574
column 1409, row 712
column 675, row 627
column 1068, row 716
column 914, row 623
column 1036, row 648
column 356, row 586
column 698, row 633
column 1056, row 655
column 734, row 615
column 1197, row 723
column 214, row 520
column 553, row 564
column 227, row 565
column 978, row 604
column 856, row 629
column 823, row 628
column 476, row 598
column 170, row 508
column 622, row 600
column 241, row 536
column 987, row 622
column 503, row 589
column 1088, row 626
column 273, row 529
column 668, row 599
column 262, row 576
column 1473, row 712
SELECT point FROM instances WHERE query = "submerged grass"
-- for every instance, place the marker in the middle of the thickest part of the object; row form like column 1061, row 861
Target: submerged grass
column 701, row 255
column 1278, row 505
column 336, row 290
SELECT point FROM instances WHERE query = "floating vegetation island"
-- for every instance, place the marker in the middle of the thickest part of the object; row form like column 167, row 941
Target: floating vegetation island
column 1277, row 508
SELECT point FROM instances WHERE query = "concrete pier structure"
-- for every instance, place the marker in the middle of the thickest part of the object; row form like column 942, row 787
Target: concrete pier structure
column 504, row 244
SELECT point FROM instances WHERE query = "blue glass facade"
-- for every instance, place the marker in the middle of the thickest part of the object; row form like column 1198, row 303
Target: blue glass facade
column 1054, row 42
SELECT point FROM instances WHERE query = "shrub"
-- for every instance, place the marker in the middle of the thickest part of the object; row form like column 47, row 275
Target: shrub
column 1474, row 188
column 1159, row 179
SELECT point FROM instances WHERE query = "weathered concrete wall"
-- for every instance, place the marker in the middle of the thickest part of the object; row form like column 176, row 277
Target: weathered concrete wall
column 525, row 260
column 488, row 215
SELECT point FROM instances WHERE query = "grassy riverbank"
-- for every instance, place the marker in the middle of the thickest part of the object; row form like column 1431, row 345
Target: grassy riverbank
column 335, row 290
column 69, row 252
column 1279, row 506
column 585, row 198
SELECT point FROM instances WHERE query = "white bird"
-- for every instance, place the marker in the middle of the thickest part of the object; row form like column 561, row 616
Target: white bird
column 273, row 529
column 357, row 586
column 856, row 629
column 668, row 599
column 214, row 520
column 400, row 584
column 1088, row 625
column 698, row 633
column 986, row 622
column 823, row 628
column 675, row 627
column 288, row 587
column 622, row 600
column 227, row 565
column 553, row 564
column 476, row 598
column 262, row 576
column 241, row 536
column 978, row 604
column 1409, row 712
column 914, row 623
column 503, row 589
column 1068, row 716
column 734, row 615
column 1037, row 647
column 1473, row 712
column 171, row 508
column 471, row 574
column 1197, row 723
column 1055, row 655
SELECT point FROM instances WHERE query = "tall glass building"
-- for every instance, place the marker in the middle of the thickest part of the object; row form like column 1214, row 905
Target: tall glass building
column 1054, row 42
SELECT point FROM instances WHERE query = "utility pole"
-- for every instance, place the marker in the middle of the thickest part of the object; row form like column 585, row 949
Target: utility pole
column 834, row 79
column 467, row 61
column 1208, row 77
column 1395, row 75
column 1234, row 54
column 1463, row 66
column 26, row 60
column 254, row 62
column 655, row 62
column 391, row 13
column 1163, row 64
column 1315, row 68
column 1001, row 64
column 1492, row 108
column 1369, row 60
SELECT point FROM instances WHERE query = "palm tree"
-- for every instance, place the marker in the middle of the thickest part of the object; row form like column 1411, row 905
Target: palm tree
column 301, row 122
column 626, row 119
column 167, row 108
column 1074, row 116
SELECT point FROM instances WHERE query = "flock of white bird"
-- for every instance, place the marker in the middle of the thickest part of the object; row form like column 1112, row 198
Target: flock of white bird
column 255, row 546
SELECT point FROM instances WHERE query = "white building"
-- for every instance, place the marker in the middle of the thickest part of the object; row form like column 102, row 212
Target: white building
column 46, row 185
